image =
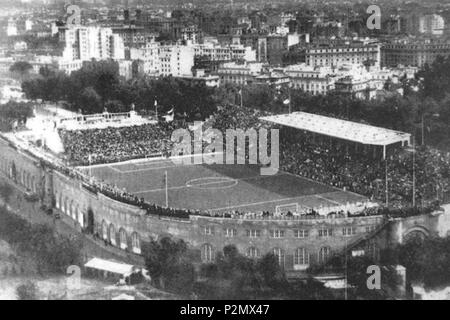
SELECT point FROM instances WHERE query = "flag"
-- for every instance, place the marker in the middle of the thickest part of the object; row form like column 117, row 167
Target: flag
column 170, row 115
column 169, row 118
column 286, row 102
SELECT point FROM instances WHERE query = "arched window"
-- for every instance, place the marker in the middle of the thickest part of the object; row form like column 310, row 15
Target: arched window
column 32, row 184
column 80, row 216
column 65, row 206
column 123, row 239
column 71, row 213
column 112, row 234
column 136, row 243
column 372, row 250
column 253, row 252
column 301, row 257
column 324, row 254
column 207, row 253
column 60, row 202
column 57, row 200
column 28, row 183
column 279, row 253
column 104, row 230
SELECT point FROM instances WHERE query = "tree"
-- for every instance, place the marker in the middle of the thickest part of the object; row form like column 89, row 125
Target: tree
column 12, row 112
column 21, row 68
column 426, row 261
column 27, row 291
column 90, row 101
column 168, row 264
column 5, row 192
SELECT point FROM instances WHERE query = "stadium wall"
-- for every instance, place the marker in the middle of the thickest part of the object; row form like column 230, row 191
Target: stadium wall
column 299, row 243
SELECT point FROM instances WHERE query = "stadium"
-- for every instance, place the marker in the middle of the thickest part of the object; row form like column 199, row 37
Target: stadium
column 113, row 175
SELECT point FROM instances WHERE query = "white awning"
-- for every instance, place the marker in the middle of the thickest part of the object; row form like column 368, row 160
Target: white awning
column 340, row 129
column 109, row 266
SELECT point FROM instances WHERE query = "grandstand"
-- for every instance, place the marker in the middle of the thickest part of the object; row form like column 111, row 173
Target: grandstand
column 341, row 129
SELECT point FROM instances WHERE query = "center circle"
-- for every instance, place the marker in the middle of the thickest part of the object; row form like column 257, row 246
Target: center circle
column 212, row 183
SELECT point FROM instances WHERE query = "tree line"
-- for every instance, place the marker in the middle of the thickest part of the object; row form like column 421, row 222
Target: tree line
column 98, row 86
column 51, row 252
column 230, row 276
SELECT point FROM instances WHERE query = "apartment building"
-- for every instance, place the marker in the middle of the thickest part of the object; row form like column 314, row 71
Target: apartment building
column 335, row 54
column 239, row 73
column 415, row 53
column 231, row 52
column 315, row 80
column 87, row 43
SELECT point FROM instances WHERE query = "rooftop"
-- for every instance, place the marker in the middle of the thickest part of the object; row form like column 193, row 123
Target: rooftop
column 109, row 266
column 341, row 129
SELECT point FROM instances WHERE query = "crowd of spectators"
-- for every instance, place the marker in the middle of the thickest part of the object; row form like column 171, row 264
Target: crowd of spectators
column 365, row 173
column 321, row 160
column 94, row 146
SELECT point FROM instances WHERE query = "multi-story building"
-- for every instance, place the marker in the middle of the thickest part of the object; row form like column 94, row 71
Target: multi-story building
column 239, row 73
column 191, row 34
column 315, row 80
column 86, row 43
column 432, row 24
column 149, row 57
column 413, row 52
column 335, row 54
column 230, row 52
column 278, row 45
column 357, row 80
column 176, row 60
column 134, row 36
column 165, row 60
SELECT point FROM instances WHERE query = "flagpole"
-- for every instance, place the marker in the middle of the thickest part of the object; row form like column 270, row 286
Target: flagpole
column 167, row 192
column 289, row 88
column 90, row 167
column 241, row 97
column 414, row 172
column 387, row 186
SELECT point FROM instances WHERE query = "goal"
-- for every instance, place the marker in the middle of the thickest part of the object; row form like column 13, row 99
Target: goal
column 285, row 208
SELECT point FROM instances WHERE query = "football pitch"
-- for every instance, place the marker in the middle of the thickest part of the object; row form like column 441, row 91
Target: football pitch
column 218, row 188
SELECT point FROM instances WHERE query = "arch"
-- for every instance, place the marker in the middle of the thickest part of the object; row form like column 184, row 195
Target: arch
column 301, row 257
column 13, row 171
column 372, row 250
column 324, row 254
column 123, row 238
column 279, row 253
column 61, row 202
column 104, row 230
column 79, row 215
column 253, row 253
column 32, row 184
column 112, row 234
column 28, row 183
column 90, row 220
column 136, row 243
column 65, row 205
column 71, row 211
column 207, row 253
column 416, row 232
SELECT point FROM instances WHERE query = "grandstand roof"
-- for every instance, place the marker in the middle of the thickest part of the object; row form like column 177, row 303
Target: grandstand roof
column 341, row 129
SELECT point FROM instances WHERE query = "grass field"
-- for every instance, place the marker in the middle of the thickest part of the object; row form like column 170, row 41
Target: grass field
column 219, row 188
